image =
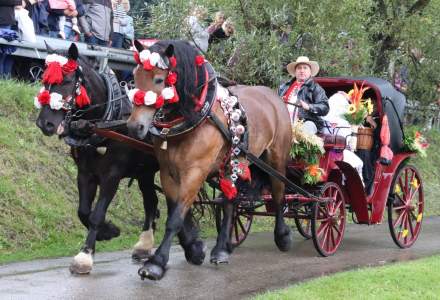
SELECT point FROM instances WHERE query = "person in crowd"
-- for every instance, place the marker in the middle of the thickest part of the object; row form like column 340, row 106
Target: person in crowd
column 70, row 30
column 99, row 16
column 305, row 99
column 198, row 34
column 219, row 18
column 225, row 31
column 38, row 13
column 65, row 8
column 24, row 23
column 120, row 21
column 7, row 20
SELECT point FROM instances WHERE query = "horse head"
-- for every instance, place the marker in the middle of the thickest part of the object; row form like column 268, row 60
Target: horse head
column 167, row 76
column 62, row 91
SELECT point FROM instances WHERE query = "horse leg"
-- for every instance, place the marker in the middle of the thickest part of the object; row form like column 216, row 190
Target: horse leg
column 282, row 233
column 190, row 242
column 220, row 253
column 87, row 187
column 179, row 199
column 143, row 248
column 83, row 261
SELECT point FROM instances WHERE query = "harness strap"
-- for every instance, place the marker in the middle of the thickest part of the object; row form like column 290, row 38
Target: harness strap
column 138, row 145
column 259, row 162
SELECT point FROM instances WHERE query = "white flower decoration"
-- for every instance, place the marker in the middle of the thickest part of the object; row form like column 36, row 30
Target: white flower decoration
column 168, row 93
column 154, row 58
column 131, row 94
column 150, row 98
column 56, row 58
column 56, row 101
column 37, row 103
column 144, row 55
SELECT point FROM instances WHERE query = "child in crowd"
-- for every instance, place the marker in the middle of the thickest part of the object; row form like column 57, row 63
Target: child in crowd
column 68, row 7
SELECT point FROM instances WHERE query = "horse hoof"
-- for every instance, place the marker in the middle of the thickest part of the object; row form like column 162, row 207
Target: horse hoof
column 107, row 231
column 140, row 255
column 82, row 264
column 195, row 253
column 284, row 240
column 151, row 271
column 219, row 258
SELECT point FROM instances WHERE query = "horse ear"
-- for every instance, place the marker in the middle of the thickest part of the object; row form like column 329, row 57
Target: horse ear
column 139, row 47
column 170, row 50
column 49, row 49
column 73, row 52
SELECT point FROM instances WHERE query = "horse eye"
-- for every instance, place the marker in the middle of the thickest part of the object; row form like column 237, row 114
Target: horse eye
column 158, row 80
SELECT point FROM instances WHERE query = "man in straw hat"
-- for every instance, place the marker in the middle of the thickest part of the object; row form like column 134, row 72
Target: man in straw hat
column 305, row 99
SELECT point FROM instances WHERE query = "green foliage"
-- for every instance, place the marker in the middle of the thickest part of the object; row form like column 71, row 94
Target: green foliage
column 347, row 38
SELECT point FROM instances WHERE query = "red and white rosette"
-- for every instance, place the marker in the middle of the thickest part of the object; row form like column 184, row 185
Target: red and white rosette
column 139, row 97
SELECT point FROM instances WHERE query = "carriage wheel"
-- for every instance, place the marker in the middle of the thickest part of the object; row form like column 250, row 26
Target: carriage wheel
column 241, row 224
column 304, row 225
column 405, row 207
column 328, row 220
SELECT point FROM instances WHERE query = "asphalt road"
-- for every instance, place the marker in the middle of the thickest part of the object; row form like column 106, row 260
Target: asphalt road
column 255, row 267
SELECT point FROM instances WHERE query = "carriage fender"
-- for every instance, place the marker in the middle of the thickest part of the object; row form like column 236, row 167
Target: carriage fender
column 355, row 191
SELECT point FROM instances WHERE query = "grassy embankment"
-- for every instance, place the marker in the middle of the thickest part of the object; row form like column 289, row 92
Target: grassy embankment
column 38, row 196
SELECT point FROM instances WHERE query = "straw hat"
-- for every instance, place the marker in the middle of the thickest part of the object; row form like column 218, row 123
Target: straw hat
column 303, row 60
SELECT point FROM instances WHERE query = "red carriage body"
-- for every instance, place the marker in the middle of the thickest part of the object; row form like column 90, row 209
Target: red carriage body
column 321, row 215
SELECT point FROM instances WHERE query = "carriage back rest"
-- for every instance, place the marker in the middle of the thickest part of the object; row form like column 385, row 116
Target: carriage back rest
column 333, row 142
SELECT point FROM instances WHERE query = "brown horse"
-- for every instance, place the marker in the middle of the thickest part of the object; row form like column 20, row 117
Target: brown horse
column 192, row 157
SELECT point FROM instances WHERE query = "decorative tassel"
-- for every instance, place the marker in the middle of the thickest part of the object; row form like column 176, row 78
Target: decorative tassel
column 136, row 58
column 173, row 61
column 147, row 65
column 82, row 99
column 44, row 97
column 228, row 188
column 53, row 73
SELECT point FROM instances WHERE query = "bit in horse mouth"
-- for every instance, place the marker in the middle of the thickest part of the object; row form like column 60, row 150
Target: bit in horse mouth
column 60, row 129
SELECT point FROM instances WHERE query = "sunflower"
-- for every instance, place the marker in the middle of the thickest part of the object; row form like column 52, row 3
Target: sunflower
column 351, row 109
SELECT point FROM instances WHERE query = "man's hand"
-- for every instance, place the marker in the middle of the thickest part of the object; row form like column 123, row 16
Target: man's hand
column 304, row 105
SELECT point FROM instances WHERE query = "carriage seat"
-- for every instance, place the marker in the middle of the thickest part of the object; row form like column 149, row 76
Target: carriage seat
column 333, row 141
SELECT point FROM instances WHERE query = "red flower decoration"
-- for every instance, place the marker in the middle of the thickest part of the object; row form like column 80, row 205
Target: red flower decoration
column 138, row 98
column 200, row 60
column 147, row 65
column 159, row 102
column 53, row 73
column 245, row 172
column 136, row 58
column 70, row 66
column 44, row 97
column 175, row 98
column 171, row 78
column 173, row 61
column 82, row 99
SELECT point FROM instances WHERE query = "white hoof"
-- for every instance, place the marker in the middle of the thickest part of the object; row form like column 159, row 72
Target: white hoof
column 82, row 263
column 144, row 247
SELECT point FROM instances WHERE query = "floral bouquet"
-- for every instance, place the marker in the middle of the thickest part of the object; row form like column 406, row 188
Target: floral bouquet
column 307, row 148
column 415, row 142
column 359, row 108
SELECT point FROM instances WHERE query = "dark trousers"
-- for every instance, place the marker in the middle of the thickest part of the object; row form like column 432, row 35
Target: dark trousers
column 93, row 40
column 6, row 61
column 117, row 40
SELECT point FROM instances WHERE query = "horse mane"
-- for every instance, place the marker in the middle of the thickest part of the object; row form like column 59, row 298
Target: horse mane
column 190, row 77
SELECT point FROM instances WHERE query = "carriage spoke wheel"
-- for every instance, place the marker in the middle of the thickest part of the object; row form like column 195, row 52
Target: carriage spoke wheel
column 328, row 220
column 241, row 224
column 405, row 207
column 304, row 226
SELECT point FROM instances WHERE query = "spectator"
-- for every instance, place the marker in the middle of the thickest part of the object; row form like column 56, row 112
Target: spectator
column 101, row 28
column 24, row 23
column 128, row 33
column 71, row 31
column 225, row 31
column 65, row 8
column 218, row 21
column 400, row 79
column 38, row 14
column 120, row 10
column 198, row 34
column 7, row 19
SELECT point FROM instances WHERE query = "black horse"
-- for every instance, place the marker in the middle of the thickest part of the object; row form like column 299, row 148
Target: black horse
column 101, row 162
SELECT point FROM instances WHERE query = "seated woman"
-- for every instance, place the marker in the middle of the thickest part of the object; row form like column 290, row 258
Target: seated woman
column 336, row 124
column 305, row 99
